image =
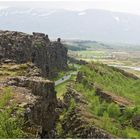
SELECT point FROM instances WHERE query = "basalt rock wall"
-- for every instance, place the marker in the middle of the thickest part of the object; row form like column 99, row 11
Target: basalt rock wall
column 50, row 57
column 40, row 112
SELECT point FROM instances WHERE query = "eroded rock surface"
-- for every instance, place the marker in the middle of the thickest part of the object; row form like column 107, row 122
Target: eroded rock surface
column 77, row 122
column 110, row 97
column 136, row 121
column 26, row 62
column 50, row 57
column 35, row 94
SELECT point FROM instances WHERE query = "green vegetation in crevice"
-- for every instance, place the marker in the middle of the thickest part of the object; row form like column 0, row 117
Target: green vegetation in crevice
column 71, row 108
column 10, row 124
column 38, row 44
column 71, row 68
column 62, row 88
column 59, row 129
column 63, row 117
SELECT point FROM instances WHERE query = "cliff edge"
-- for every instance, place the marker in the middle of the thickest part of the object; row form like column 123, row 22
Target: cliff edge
column 50, row 57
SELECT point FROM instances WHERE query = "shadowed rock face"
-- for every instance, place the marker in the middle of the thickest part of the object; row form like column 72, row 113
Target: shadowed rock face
column 34, row 94
column 31, row 90
column 43, row 109
column 50, row 57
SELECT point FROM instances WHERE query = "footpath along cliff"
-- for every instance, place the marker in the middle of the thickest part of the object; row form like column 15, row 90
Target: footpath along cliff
column 26, row 64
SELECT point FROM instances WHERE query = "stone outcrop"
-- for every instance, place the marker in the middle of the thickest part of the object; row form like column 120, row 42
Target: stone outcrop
column 41, row 110
column 34, row 94
column 110, row 97
column 25, row 63
column 136, row 121
column 77, row 121
column 80, row 77
column 50, row 57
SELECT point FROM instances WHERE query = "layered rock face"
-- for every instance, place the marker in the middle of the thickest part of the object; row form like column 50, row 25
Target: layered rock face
column 77, row 121
column 42, row 111
column 50, row 57
column 34, row 94
column 25, row 62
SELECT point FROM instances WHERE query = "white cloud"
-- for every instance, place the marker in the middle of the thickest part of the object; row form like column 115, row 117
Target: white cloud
column 81, row 13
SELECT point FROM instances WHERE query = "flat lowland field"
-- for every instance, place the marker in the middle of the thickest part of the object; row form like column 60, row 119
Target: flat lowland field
column 90, row 53
column 111, row 55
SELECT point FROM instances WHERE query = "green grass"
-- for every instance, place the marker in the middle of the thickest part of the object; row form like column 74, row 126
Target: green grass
column 10, row 125
column 62, row 88
column 90, row 53
column 112, row 81
column 109, row 115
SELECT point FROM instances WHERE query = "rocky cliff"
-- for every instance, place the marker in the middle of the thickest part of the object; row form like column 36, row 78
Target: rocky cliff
column 42, row 111
column 50, row 57
column 26, row 62
column 33, row 93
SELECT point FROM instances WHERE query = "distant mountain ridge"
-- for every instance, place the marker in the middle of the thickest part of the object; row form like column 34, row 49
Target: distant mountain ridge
column 90, row 24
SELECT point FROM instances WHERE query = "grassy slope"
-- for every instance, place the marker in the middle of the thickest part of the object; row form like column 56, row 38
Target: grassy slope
column 113, row 81
column 110, row 117
column 61, row 89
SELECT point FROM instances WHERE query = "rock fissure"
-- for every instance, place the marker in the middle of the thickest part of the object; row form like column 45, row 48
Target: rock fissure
column 25, row 63
column 74, row 124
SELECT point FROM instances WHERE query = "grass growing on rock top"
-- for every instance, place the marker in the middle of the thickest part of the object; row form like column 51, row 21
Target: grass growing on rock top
column 13, row 70
column 10, row 125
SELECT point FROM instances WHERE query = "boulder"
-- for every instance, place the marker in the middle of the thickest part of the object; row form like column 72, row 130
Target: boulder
column 136, row 122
